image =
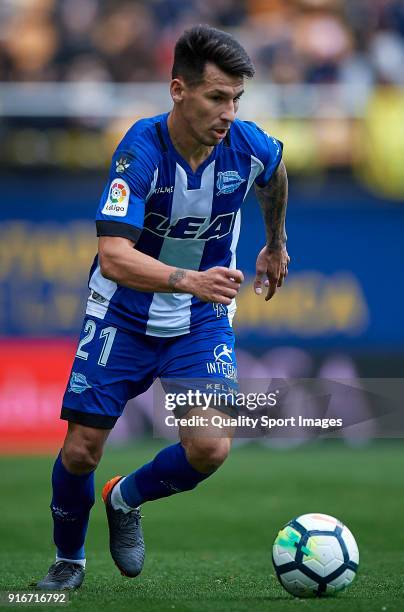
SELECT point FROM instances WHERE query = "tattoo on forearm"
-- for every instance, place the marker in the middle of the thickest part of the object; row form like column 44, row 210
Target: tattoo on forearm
column 175, row 278
column 273, row 200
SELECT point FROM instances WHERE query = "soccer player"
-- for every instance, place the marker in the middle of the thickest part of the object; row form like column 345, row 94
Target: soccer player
column 162, row 291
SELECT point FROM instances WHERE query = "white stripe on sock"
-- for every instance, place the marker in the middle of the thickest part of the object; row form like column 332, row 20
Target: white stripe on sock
column 78, row 561
column 117, row 501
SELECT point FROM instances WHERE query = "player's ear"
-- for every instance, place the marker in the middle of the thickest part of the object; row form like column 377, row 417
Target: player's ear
column 177, row 90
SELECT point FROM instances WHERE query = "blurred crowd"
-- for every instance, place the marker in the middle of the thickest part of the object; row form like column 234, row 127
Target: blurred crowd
column 290, row 41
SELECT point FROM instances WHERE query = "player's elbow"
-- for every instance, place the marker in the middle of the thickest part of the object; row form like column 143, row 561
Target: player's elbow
column 113, row 253
column 107, row 266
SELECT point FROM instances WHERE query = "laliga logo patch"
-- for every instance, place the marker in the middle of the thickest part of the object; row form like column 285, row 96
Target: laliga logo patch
column 78, row 383
column 118, row 199
column 228, row 181
column 117, row 193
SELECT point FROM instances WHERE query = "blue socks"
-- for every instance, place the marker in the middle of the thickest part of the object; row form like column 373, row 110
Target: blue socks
column 72, row 500
column 73, row 496
column 168, row 473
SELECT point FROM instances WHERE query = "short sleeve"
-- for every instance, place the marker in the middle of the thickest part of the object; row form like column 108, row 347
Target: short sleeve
column 132, row 179
column 266, row 149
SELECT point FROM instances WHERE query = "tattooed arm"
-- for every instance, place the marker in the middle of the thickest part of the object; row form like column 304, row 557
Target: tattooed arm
column 273, row 259
column 273, row 200
column 128, row 267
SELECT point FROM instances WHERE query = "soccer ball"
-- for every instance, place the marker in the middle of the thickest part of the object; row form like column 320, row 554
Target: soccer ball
column 315, row 555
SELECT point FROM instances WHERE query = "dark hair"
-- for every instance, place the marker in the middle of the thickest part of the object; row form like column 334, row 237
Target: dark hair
column 203, row 44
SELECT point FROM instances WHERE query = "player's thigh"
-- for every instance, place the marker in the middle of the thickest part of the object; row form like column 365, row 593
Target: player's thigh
column 207, row 354
column 204, row 365
column 110, row 367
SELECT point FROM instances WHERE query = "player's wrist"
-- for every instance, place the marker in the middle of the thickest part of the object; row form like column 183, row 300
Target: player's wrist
column 276, row 245
column 189, row 282
column 182, row 281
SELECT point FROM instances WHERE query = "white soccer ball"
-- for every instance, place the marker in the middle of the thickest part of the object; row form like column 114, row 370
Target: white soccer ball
column 315, row 555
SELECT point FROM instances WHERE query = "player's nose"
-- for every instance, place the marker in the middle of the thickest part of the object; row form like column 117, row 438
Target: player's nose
column 229, row 113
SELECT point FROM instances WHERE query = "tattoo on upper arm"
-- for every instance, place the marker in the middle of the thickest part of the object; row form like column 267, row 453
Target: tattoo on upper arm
column 176, row 277
column 273, row 199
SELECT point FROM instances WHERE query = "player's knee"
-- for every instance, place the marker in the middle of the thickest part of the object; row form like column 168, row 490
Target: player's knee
column 207, row 454
column 81, row 458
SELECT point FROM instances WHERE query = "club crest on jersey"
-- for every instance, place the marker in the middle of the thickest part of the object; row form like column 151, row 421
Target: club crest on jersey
column 122, row 164
column 78, row 383
column 228, row 181
column 118, row 199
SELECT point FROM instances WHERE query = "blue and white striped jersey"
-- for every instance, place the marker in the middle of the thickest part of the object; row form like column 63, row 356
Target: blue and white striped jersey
column 183, row 218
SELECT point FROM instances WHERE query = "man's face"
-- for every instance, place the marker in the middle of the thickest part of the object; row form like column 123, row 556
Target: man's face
column 209, row 108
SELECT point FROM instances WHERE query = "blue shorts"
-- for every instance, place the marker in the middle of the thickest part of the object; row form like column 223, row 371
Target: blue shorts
column 113, row 365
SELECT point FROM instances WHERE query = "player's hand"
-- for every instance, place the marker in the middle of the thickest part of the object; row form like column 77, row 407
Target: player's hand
column 271, row 270
column 218, row 285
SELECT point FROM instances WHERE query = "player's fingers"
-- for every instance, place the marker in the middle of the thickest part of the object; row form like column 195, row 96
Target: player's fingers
column 272, row 288
column 259, row 282
column 282, row 276
column 270, row 293
column 235, row 275
column 258, row 286
column 222, row 299
column 228, row 292
column 229, row 283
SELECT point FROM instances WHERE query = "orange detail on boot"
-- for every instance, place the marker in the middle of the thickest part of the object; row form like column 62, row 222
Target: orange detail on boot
column 108, row 486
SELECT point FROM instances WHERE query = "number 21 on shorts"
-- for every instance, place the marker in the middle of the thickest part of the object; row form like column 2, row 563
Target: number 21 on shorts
column 107, row 333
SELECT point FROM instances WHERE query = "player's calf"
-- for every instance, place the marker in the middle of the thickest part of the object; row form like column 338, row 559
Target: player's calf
column 72, row 500
column 169, row 473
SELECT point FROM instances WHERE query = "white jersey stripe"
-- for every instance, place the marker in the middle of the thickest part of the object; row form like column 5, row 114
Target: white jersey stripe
column 153, row 184
column 231, row 310
column 170, row 313
column 256, row 167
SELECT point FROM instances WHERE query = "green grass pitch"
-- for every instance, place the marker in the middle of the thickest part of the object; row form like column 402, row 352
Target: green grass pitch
column 209, row 550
